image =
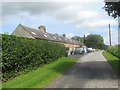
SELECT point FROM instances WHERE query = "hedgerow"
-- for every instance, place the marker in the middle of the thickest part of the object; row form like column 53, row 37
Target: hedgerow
column 21, row 55
column 114, row 50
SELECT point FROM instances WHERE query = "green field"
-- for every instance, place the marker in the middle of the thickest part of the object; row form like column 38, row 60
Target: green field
column 41, row 77
column 114, row 61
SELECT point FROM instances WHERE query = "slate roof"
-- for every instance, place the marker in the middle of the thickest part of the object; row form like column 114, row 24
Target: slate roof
column 50, row 37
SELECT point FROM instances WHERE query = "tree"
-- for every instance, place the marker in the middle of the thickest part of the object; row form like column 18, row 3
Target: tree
column 6, row 33
column 113, row 8
column 77, row 38
column 94, row 41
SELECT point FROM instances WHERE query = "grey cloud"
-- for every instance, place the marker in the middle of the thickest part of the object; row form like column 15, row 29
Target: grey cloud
column 10, row 8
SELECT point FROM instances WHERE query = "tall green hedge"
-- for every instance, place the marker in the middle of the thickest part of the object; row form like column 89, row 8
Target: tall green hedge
column 20, row 55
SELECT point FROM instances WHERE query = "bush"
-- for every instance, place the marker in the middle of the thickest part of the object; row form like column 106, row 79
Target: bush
column 114, row 50
column 21, row 55
column 103, row 46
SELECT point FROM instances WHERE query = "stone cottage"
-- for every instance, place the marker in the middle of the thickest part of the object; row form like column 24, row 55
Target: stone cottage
column 41, row 34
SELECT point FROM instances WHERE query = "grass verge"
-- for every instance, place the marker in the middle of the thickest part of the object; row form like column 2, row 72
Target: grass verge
column 41, row 77
column 114, row 61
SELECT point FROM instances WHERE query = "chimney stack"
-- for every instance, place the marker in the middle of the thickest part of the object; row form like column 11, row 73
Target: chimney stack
column 64, row 35
column 42, row 28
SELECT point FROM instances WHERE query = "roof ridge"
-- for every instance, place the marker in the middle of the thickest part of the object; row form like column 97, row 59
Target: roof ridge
column 50, row 35
column 26, row 29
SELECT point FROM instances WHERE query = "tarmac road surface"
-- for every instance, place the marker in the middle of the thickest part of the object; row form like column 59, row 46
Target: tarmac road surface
column 91, row 71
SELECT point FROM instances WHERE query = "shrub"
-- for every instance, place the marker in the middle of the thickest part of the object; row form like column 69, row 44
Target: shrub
column 114, row 50
column 21, row 55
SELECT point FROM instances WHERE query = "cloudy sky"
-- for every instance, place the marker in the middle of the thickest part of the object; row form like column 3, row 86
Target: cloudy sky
column 80, row 17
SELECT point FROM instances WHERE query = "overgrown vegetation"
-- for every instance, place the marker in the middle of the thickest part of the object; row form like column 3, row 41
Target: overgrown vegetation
column 112, row 54
column 21, row 55
column 41, row 77
column 114, row 61
column 115, row 50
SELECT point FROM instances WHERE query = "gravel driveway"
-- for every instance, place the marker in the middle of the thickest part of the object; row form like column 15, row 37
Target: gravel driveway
column 91, row 71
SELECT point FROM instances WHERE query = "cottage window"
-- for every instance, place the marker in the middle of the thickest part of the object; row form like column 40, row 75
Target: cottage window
column 54, row 37
column 45, row 35
column 33, row 33
column 66, row 39
column 60, row 38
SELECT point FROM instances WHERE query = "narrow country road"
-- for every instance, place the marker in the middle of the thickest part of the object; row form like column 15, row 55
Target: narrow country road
column 91, row 71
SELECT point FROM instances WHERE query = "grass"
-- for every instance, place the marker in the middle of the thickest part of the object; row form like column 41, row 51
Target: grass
column 114, row 61
column 41, row 77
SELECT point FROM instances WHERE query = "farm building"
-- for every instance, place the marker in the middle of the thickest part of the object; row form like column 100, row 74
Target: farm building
column 41, row 34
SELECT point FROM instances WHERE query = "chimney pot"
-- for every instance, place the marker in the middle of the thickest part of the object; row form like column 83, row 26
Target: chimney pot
column 64, row 35
column 42, row 28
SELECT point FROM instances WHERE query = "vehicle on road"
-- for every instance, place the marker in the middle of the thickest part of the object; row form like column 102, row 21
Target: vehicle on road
column 90, row 50
column 79, row 51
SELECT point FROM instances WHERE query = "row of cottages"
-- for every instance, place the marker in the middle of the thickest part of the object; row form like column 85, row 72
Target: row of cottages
column 41, row 34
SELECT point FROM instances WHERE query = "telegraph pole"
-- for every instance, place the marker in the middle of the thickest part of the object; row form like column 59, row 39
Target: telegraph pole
column 109, row 35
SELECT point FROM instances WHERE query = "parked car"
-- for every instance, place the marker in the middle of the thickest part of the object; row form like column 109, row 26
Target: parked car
column 79, row 51
column 93, row 50
column 90, row 50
